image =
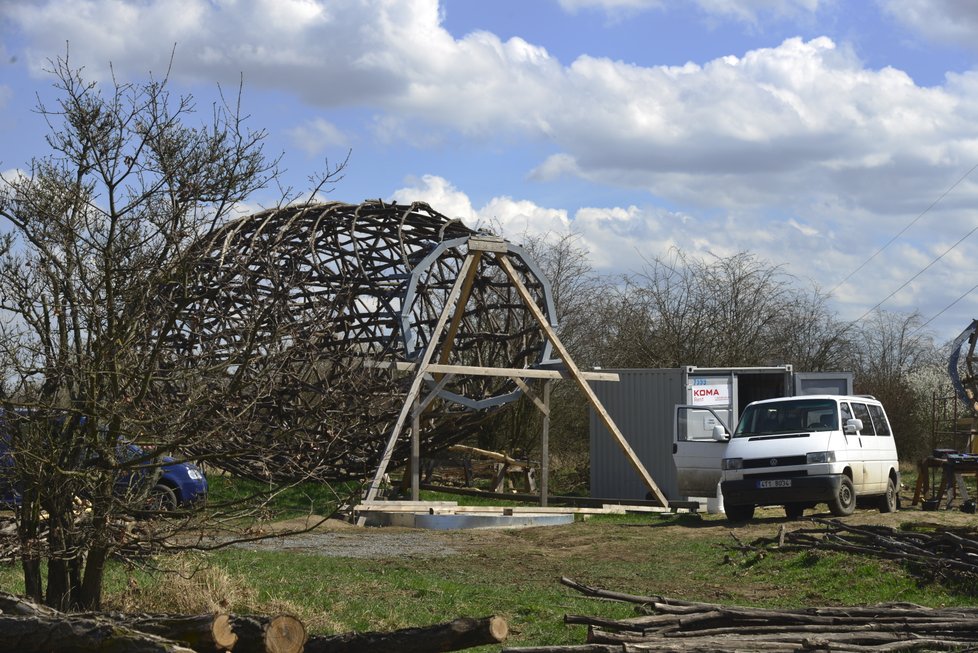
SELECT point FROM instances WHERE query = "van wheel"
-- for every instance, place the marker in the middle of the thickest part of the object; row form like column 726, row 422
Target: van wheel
column 739, row 513
column 888, row 502
column 794, row 510
column 844, row 502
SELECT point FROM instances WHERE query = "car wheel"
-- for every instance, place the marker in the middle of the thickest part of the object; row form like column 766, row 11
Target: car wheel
column 739, row 513
column 794, row 510
column 844, row 502
column 888, row 502
column 162, row 498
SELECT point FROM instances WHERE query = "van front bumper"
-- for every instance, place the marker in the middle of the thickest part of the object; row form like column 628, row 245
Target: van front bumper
column 803, row 489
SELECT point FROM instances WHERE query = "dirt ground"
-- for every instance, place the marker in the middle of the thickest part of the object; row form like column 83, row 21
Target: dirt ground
column 339, row 538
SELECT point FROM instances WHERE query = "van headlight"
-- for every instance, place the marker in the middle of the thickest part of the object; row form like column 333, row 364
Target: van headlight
column 733, row 463
column 816, row 457
column 195, row 474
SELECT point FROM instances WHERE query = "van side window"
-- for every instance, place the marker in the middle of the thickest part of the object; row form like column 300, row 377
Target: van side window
column 846, row 412
column 879, row 420
column 862, row 412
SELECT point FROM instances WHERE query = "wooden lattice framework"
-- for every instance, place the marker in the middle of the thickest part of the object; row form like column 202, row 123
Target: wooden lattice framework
column 328, row 295
column 329, row 319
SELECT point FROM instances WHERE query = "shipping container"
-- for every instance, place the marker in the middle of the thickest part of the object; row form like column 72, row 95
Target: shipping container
column 643, row 405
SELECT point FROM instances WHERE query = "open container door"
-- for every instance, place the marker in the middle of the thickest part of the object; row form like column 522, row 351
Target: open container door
column 697, row 449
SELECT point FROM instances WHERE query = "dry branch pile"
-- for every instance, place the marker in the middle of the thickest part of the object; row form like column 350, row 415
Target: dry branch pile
column 941, row 555
column 31, row 628
column 687, row 627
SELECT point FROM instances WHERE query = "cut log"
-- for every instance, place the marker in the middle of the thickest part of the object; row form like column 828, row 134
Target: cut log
column 280, row 634
column 450, row 636
column 66, row 634
column 16, row 605
column 209, row 632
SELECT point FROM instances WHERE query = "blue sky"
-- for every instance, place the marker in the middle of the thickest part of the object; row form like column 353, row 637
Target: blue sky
column 810, row 132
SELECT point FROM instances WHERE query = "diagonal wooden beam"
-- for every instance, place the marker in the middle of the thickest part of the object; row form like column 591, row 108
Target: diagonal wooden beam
column 469, row 277
column 599, row 409
column 528, row 391
column 429, row 352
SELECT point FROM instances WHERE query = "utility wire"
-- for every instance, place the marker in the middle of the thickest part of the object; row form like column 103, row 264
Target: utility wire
column 924, row 269
column 943, row 310
column 900, row 233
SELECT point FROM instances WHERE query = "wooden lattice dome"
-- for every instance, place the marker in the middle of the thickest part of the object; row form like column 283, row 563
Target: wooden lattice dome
column 330, row 297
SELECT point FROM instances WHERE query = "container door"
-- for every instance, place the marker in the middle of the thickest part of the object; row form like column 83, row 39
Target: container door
column 823, row 383
column 696, row 453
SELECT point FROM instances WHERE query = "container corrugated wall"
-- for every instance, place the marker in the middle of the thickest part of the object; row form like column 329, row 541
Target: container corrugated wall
column 642, row 406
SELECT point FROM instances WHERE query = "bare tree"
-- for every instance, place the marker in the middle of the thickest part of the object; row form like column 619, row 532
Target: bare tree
column 890, row 350
column 721, row 311
column 93, row 231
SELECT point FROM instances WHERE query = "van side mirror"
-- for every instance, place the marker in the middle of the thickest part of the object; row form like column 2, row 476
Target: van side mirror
column 853, row 426
column 720, row 433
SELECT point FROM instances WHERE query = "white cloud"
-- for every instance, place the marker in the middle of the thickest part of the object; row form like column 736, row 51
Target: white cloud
column 748, row 11
column 515, row 219
column 441, row 195
column 938, row 20
column 751, row 11
column 804, row 126
column 803, row 116
column 317, row 135
column 611, row 6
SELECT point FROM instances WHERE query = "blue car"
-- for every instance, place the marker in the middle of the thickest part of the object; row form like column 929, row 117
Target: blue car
column 179, row 485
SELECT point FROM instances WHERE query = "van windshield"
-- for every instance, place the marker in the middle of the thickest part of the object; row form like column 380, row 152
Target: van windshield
column 789, row 416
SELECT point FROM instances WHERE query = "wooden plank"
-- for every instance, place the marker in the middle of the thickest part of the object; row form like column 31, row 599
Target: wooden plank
column 545, row 446
column 487, row 244
column 485, row 453
column 472, row 370
column 522, row 385
column 568, row 361
column 385, row 504
column 446, row 351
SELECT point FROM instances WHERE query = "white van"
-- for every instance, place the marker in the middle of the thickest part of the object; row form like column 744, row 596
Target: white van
column 801, row 451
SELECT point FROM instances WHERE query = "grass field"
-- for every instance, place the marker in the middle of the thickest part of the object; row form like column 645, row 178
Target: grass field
column 515, row 574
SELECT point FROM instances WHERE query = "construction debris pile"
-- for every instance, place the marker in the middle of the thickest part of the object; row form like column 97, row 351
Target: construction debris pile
column 939, row 555
column 685, row 626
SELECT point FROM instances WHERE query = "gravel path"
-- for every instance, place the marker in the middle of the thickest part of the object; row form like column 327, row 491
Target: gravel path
column 369, row 543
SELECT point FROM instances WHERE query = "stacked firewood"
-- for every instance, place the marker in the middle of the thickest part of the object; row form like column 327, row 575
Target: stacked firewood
column 31, row 628
column 688, row 627
column 939, row 555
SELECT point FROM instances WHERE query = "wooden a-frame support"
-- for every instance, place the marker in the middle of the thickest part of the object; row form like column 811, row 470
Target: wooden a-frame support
column 455, row 306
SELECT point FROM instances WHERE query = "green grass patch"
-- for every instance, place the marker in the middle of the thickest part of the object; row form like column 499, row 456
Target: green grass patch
column 513, row 574
column 281, row 502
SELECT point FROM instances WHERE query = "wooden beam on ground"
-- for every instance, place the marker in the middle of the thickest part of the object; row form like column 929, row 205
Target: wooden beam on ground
column 485, row 453
column 575, row 373
column 451, row 636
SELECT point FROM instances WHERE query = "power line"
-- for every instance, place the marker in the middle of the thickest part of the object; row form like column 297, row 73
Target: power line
column 943, row 310
column 924, row 269
column 901, row 232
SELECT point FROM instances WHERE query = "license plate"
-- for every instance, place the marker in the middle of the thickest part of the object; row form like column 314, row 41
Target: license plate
column 779, row 482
